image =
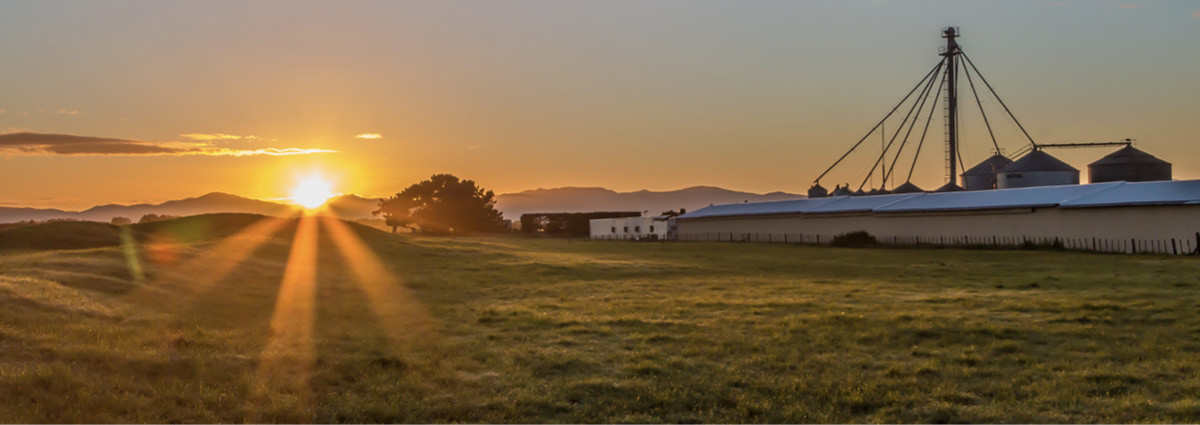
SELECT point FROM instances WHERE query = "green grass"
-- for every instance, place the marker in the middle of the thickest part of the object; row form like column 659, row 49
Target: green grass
column 545, row 330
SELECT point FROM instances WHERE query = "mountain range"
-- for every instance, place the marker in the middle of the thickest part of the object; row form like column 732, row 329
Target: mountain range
column 351, row 207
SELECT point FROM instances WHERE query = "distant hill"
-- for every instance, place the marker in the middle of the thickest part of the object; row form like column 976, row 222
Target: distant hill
column 353, row 207
column 215, row 202
column 583, row 199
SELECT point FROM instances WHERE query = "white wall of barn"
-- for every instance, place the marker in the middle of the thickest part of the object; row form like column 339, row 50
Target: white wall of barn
column 1075, row 226
column 627, row 228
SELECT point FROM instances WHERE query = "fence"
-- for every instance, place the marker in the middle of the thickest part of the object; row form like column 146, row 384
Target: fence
column 1171, row 246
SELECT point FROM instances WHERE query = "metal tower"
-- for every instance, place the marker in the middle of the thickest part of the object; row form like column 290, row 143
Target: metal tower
column 944, row 75
column 951, row 54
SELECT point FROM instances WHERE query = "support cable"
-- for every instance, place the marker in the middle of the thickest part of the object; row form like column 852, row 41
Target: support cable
column 928, row 94
column 989, row 86
column 898, row 129
column 928, row 120
column 981, row 112
column 889, row 114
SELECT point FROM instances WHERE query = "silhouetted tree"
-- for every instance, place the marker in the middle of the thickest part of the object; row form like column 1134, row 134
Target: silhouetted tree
column 673, row 213
column 152, row 217
column 121, row 221
column 442, row 204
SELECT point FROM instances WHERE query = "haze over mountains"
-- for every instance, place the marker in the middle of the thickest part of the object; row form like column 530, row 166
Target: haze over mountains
column 351, row 207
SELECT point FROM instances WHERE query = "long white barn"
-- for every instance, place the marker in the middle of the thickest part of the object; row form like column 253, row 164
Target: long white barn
column 1162, row 217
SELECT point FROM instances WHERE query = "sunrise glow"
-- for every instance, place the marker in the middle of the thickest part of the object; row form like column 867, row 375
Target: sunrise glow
column 312, row 191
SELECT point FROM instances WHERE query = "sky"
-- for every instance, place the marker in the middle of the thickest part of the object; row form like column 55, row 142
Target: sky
column 147, row 101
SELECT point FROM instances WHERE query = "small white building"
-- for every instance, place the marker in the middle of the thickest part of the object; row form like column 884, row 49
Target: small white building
column 633, row 228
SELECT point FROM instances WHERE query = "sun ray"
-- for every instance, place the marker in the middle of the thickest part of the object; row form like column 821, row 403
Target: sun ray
column 213, row 264
column 402, row 315
column 286, row 363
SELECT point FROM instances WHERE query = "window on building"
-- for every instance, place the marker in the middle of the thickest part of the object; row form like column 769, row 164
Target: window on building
column 637, row 229
column 651, row 229
column 626, row 229
column 614, row 229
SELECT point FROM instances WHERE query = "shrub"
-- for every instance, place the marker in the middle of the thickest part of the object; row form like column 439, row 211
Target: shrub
column 859, row 239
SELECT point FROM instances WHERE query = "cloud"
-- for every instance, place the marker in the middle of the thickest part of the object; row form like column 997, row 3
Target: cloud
column 66, row 144
column 59, row 111
column 208, row 137
column 1128, row 6
column 369, row 136
column 1196, row 14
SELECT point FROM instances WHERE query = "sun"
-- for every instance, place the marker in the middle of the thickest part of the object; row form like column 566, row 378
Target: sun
column 312, row 192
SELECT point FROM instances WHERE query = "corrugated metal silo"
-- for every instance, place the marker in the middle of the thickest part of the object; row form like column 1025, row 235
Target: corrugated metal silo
column 983, row 176
column 1129, row 164
column 817, row 191
column 1037, row 168
column 908, row 187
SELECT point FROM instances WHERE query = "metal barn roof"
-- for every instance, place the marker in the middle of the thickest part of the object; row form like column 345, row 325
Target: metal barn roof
column 1185, row 192
column 1110, row 194
column 1027, row 197
column 859, row 203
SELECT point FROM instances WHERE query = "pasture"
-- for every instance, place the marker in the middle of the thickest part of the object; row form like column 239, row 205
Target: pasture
column 233, row 318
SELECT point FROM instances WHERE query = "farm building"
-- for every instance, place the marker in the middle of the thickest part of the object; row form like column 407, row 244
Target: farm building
column 1160, row 216
column 637, row 228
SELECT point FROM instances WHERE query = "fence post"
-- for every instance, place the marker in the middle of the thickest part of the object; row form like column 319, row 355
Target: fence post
column 785, row 238
column 1133, row 245
column 1174, row 248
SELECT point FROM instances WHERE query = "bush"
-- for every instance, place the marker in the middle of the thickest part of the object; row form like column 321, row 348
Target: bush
column 859, row 239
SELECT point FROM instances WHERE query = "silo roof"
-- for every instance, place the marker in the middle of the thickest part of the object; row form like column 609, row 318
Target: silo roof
column 908, row 187
column 989, row 166
column 1038, row 161
column 1129, row 155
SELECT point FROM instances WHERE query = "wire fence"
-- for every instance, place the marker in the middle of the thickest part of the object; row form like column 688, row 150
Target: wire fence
column 1167, row 246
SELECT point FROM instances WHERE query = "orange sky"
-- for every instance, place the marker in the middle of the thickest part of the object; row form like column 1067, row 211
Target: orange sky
column 756, row 96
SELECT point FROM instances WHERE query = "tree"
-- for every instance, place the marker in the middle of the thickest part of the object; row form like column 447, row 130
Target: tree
column 443, row 204
column 121, row 221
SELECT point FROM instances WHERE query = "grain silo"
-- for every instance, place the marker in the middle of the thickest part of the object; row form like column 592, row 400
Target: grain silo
column 1129, row 164
column 1037, row 168
column 983, row 176
column 817, row 191
column 908, row 187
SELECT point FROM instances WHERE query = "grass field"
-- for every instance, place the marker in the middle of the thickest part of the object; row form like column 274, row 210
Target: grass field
column 206, row 320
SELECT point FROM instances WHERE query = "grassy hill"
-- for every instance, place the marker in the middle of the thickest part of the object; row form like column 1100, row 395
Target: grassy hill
column 217, row 325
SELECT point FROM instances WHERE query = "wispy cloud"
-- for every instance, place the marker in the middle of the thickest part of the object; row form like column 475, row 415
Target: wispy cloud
column 59, row 111
column 255, row 152
column 1128, row 6
column 369, row 136
column 208, row 137
column 66, row 144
